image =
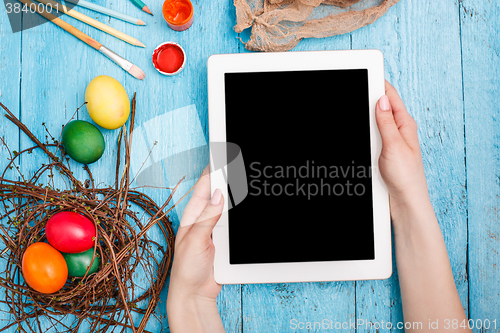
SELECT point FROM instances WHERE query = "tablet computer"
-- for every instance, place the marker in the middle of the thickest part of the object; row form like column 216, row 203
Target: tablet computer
column 294, row 147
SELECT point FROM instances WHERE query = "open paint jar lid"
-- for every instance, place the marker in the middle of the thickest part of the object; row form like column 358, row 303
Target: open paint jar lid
column 169, row 58
column 178, row 14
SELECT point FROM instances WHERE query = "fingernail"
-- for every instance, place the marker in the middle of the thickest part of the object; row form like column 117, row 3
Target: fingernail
column 216, row 197
column 384, row 103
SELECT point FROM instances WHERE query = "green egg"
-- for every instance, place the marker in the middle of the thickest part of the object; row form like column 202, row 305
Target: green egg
column 82, row 141
column 78, row 262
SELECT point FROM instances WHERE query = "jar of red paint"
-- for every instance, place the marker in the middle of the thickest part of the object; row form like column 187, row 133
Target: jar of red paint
column 178, row 14
column 169, row 58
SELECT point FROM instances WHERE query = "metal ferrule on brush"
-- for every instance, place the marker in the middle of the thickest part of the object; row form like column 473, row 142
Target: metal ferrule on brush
column 124, row 63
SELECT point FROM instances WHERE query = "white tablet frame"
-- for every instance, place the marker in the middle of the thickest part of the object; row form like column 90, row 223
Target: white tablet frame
column 381, row 266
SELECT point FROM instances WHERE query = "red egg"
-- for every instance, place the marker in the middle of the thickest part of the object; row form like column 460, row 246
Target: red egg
column 70, row 232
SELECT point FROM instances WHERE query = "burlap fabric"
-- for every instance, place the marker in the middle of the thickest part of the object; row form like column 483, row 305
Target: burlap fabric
column 279, row 25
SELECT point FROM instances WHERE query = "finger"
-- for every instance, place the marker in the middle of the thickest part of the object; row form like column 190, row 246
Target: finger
column 196, row 205
column 404, row 121
column 208, row 219
column 385, row 121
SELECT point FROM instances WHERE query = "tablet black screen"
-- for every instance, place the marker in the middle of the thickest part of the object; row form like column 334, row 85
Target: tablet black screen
column 305, row 141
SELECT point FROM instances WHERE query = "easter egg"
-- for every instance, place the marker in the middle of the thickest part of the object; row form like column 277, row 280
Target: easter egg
column 82, row 141
column 107, row 102
column 79, row 262
column 44, row 268
column 70, row 232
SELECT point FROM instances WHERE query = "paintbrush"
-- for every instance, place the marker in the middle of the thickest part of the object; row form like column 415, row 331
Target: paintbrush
column 123, row 63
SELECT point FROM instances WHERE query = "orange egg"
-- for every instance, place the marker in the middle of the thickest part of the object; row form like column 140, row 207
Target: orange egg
column 44, row 268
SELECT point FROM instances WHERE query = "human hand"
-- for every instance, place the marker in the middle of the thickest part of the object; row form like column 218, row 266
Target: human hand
column 191, row 305
column 400, row 160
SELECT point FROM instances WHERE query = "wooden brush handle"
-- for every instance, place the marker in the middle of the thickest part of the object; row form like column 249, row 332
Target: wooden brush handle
column 66, row 26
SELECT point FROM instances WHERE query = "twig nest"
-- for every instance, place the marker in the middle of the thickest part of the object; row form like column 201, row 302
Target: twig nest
column 119, row 217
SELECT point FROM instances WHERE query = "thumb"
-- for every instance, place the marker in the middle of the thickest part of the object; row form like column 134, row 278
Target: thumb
column 210, row 216
column 385, row 121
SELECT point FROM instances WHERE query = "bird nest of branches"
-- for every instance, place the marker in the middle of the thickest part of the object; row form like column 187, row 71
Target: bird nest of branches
column 133, row 266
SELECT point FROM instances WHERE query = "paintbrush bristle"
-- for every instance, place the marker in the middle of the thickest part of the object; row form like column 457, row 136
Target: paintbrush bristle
column 137, row 72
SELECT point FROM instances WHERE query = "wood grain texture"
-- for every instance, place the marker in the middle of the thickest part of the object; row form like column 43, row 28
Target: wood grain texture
column 10, row 72
column 428, row 78
column 96, row 24
column 278, row 307
column 481, row 79
column 64, row 25
column 56, row 77
column 65, row 72
column 295, row 307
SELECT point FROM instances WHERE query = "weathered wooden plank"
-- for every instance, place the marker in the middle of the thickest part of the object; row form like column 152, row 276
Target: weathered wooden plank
column 57, row 68
column 74, row 65
column 211, row 33
column 421, row 44
column 378, row 302
column 10, row 72
column 481, row 68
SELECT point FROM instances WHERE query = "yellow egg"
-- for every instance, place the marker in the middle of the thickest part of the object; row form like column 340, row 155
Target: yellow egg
column 107, row 102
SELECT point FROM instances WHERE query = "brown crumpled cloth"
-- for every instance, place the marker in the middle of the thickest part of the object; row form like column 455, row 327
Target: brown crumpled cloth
column 279, row 25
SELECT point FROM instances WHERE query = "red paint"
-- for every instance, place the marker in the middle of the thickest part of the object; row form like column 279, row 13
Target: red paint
column 168, row 58
column 178, row 14
column 70, row 232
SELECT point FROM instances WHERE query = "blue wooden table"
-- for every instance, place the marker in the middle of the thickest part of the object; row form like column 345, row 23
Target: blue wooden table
column 443, row 57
